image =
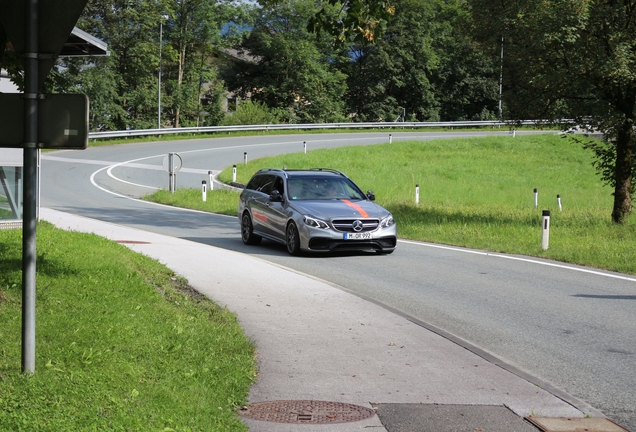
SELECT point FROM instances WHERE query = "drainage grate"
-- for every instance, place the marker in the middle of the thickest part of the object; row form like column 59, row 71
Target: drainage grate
column 306, row 412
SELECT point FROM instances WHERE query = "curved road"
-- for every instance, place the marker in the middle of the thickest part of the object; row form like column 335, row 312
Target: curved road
column 570, row 327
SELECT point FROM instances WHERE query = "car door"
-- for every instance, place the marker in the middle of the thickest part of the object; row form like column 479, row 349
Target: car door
column 275, row 210
column 257, row 202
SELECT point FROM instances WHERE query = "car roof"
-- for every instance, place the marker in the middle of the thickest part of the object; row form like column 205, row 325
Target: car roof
column 312, row 172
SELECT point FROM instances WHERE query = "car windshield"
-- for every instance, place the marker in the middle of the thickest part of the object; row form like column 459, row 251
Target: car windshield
column 320, row 188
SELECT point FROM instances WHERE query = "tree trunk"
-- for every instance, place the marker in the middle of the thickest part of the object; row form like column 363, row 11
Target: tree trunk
column 624, row 160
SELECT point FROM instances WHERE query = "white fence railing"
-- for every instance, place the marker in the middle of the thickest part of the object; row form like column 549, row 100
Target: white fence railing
column 270, row 127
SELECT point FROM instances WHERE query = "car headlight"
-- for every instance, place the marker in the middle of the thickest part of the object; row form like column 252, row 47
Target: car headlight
column 387, row 222
column 315, row 223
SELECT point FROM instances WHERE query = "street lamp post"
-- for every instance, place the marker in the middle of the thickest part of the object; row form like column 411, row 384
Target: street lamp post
column 501, row 75
column 159, row 86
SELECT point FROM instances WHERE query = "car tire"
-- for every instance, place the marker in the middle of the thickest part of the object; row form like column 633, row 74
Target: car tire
column 292, row 239
column 247, row 231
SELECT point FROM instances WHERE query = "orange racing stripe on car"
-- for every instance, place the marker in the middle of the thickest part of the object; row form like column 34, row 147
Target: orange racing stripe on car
column 357, row 207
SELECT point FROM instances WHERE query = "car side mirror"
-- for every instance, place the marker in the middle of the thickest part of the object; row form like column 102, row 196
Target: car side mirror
column 276, row 196
column 371, row 195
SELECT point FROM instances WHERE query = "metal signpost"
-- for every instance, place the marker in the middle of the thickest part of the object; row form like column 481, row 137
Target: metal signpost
column 39, row 31
column 172, row 163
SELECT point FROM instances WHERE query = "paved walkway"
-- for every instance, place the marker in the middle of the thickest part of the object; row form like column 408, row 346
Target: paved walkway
column 318, row 342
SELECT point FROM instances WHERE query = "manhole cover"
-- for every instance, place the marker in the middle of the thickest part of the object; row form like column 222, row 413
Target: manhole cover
column 306, row 411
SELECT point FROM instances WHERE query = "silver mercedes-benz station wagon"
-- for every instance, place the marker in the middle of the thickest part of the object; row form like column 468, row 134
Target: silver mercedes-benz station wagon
column 315, row 210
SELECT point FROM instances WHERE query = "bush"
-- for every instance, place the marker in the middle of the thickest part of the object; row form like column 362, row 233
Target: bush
column 251, row 113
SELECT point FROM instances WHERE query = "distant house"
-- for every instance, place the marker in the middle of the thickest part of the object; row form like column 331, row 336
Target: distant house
column 233, row 55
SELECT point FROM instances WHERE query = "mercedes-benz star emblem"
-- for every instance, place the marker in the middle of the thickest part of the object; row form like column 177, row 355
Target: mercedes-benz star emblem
column 357, row 225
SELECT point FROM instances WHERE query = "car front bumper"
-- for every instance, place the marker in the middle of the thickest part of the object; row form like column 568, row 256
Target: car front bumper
column 329, row 240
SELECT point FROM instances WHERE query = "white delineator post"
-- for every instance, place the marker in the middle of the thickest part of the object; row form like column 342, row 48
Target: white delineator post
column 545, row 229
column 204, row 195
column 390, row 138
column 244, row 158
column 234, row 173
column 559, row 202
column 417, row 194
column 305, row 146
column 210, row 180
column 536, row 198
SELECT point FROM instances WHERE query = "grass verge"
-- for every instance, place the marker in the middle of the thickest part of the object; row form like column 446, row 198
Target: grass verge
column 122, row 343
column 477, row 193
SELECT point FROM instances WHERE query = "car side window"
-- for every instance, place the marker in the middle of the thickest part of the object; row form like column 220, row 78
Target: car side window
column 278, row 185
column 266, row 185
column 261, row 183
column 254, row 183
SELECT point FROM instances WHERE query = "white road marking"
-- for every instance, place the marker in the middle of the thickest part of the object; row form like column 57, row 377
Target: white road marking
column 528, row 260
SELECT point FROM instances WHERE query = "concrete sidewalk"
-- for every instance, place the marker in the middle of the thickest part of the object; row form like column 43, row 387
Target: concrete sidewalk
column 319, row 343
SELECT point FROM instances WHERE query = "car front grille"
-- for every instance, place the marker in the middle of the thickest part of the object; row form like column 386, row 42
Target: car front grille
column 328, row 244
column 346, row 225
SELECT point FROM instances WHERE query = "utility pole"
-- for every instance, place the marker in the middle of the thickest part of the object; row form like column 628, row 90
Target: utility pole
column 501, row 76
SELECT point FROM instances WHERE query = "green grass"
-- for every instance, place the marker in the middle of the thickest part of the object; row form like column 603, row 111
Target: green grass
column 217, row 201
column 478, row 193
column 122, row 343
column 6, row 214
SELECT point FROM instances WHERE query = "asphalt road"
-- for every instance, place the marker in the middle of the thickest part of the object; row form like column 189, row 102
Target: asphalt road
column 568, row 326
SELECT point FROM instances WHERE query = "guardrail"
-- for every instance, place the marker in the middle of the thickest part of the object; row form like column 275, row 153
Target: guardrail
column 270, row 127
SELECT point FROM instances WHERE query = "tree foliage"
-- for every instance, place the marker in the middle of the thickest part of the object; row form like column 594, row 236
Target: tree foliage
column 425, row 64
column 465, row 79
column 124, row 87
column 572, row 59
column 280, row 64
column 422, row 60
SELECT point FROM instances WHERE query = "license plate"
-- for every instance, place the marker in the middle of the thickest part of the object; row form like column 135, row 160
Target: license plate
column 357, row 236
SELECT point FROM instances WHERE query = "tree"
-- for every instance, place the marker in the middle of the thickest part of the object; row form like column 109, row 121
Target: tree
column 572, row 59
column 129, row 74
column 282, row 65
column 348, row 20
column 393, row 73
column 465, row 79
column 425, row 63
column 123, row 88
column 193, row 31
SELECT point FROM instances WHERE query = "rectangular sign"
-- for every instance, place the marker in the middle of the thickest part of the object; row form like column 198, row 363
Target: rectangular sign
column 62, row 121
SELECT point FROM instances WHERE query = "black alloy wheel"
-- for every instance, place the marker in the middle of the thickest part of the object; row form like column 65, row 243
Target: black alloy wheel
column 292, row 239
column 247, row 231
